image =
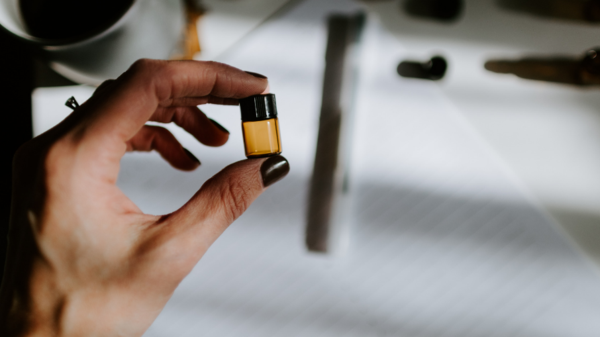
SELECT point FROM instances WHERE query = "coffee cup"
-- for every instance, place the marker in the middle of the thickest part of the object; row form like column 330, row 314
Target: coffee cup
column 143, row 29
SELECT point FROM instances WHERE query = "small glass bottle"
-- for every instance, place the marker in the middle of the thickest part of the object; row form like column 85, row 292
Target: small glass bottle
column 260, row 126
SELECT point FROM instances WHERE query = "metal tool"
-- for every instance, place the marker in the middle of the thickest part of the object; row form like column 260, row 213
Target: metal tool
column 579, row 71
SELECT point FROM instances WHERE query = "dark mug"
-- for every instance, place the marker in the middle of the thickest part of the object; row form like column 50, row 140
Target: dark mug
column 136, row 29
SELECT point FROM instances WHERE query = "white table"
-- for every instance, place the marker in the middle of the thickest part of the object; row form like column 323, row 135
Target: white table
column 547, row 135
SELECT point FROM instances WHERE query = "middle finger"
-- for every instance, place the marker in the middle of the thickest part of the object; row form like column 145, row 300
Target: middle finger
column 194, row 121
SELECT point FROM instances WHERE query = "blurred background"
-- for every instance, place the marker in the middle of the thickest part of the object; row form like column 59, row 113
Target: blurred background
column 445, row 157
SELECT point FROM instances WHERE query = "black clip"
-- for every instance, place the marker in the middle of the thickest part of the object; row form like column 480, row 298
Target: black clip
column 72, row 103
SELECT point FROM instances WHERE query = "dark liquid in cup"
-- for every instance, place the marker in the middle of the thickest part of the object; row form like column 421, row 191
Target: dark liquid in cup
column 71, row 19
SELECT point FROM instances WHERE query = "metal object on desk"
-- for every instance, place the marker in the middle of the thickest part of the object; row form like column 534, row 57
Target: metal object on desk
column 147, row 29
column 327, row 227
column 433, row 69
column 582, row 71
column 438, row 10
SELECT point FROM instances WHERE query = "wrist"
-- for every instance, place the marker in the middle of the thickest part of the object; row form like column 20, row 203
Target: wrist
column 84, row 312
column 31, row 306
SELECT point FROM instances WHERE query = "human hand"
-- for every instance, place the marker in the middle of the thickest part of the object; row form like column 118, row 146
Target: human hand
column 83, row 260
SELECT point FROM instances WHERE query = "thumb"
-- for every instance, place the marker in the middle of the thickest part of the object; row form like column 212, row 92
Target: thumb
column 224, row 197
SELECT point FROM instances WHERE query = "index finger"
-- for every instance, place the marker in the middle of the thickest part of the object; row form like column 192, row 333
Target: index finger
column 123, row 110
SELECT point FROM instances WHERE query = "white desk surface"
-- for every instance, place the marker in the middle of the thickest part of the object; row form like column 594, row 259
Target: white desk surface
column 447, row 239
column 548, row 134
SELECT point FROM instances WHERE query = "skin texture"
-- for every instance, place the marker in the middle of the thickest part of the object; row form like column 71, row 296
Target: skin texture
column 83, row 260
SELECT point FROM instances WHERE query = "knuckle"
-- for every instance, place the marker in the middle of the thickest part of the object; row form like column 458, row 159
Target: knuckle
column 211, row 64
column 144, row 70
column 154, row 76
column 104, row 86
column 235, row 198
column 139, row 72
column 144, row 65
column 210, row 67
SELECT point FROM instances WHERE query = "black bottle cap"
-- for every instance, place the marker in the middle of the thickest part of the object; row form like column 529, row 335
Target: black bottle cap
column 258, row 108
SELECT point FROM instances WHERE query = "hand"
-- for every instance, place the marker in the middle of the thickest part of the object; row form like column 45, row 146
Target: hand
column 83, row 260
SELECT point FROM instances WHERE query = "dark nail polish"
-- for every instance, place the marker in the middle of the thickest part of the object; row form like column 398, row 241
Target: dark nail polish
column 273, row 170
column 256, row 74
column 191, row 156
column 219, row 126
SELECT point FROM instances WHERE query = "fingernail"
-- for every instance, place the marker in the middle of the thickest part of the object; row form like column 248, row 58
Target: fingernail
column 219, row 126
column 192, row 157
column 273, row 170
column 256, row 74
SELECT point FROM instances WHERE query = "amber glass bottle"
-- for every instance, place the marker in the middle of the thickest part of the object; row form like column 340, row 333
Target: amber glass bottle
column 260, row 126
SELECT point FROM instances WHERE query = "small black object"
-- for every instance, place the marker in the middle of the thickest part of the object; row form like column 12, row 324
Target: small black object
column 591, row 61
column 434, row 69
column 72, row 103
column 439, row 10
column 258, row 108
